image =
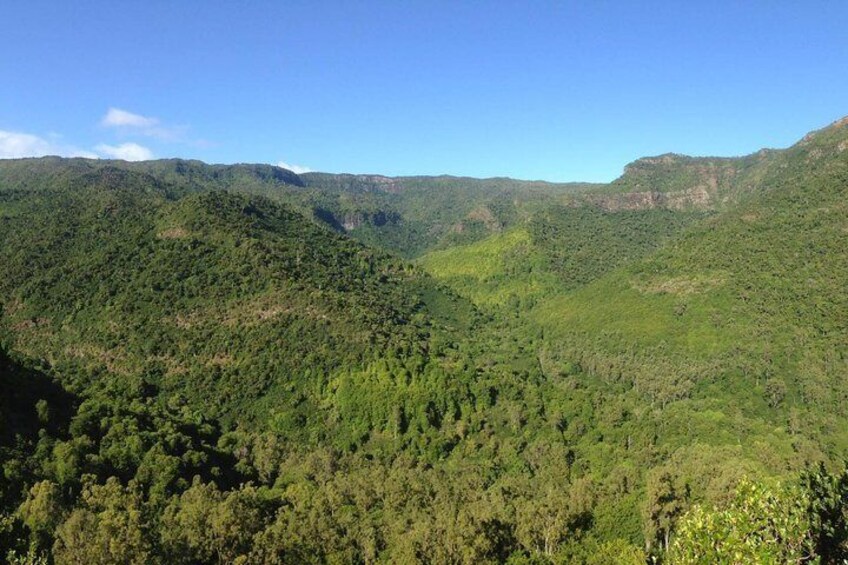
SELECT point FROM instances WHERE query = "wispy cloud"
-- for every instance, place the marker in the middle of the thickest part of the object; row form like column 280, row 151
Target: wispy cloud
column 126, row 151
column 296, row 169
column 135, row 124
column 116, row 117
column 14, row 145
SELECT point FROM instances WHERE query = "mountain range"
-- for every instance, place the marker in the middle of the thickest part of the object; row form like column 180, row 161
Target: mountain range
column 237, row 363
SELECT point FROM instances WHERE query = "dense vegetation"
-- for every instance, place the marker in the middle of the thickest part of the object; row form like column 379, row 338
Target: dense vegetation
column 412, row 215
column 199, row 366
column 196, row 292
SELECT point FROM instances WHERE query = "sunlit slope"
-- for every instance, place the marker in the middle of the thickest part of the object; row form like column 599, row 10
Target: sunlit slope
column 557, row 250
column 501, row 268
column 755, row 296
column 221, row 297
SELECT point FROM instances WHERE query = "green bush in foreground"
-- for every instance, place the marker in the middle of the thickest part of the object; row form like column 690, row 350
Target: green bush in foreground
column 766, row 522
column 763, row 524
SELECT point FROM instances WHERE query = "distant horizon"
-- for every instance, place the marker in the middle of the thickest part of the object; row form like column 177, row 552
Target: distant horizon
column 434, row 175
column 566, row 92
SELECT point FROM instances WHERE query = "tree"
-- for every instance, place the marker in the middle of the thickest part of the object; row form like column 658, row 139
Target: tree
column 775, row 391
column 557, row 510
column 828, row 507
column 41, row 512
column 765, row 523
column 42, row 410
column 664, row 504
column 110, row 526
column 207, row 525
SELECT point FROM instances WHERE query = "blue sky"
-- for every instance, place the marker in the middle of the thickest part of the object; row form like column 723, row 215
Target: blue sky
column 557, row 91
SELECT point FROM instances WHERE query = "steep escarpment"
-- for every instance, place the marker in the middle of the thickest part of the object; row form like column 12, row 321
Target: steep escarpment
column 747, row 300
column 679, row 182
column 412, row 215
column 198, row 369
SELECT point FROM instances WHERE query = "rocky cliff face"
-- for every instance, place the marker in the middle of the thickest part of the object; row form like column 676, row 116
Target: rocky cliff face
column 352, row 220
column 349, row 221
column 678, row 182
column 695, row 198
column 354, row 183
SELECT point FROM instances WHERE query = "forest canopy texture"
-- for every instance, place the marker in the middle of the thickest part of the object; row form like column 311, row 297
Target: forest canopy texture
column 238, row 364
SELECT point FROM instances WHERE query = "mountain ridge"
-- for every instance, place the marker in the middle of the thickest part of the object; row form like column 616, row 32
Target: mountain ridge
column 225, row 367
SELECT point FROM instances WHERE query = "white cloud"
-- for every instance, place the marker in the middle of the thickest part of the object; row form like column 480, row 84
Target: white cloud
column 126, row 151
column 116, row 117
column 14, row 145
column 130, row 123
column 296, row 169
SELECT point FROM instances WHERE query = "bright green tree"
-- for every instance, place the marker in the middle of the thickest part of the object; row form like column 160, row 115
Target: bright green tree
column 765, row 523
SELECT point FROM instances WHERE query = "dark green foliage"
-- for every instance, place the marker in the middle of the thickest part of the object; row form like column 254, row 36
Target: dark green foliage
column 413, row 215
column 582, row 244
column 199, row 368
column 827, row 496
column 193, row 292
column 406, row 215
column 31, row 401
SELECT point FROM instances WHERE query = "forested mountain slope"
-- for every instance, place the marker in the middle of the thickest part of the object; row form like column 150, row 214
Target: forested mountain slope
column 724, row 334
column 198, row 340
column 203, row 366
column 117, row 276
column 411, row 215
column 679, row 182
column 750, row 303
column 556, row 250
column 405, row 215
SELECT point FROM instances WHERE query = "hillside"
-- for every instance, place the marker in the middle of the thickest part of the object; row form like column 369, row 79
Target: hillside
column 404, row 215
column 115, row 276
column 679, row 182
column 412, row 215
column 724, row 333
column 754, row 290
column 212, row 364
column 557, row 249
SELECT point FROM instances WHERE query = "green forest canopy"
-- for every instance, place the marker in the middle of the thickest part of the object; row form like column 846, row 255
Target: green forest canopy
column 216, row 364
